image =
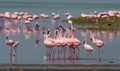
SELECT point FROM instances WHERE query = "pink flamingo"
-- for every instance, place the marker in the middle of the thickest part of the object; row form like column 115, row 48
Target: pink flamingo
column 48, row 42
column 58, row 41
column 69, row 17
column 43, row 17
column 27, row 31
column 75, row 43
column 55, row 19
column 13, row 45
column 36, row 17
column 63, row 39
column 99, row 44
column 36, row 31
column 36, row 28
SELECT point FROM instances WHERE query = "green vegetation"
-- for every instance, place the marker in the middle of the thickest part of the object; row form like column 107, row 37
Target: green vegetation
column 109, row 23
column 101, row 20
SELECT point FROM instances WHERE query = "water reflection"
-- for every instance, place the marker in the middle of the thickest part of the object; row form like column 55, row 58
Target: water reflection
column 63, row 49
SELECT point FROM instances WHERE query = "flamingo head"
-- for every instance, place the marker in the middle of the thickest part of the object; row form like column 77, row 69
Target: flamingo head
column 43, row 32
column 48, row 31
column 53, row 14
column 74, row 29
column 91, row 37
column 63, row 29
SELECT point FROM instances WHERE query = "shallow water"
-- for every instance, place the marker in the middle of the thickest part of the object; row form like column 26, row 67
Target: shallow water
column 27, row 53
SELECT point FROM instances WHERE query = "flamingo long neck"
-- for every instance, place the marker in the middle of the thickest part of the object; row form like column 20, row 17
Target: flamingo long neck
column 56, row 34
column 7, row 39
column 48, row 34
column 73, row 34
column 60, row 34
column 65, row 34
column 36, row 24
column 93, row 38
column 85, row 42
column 44, row 34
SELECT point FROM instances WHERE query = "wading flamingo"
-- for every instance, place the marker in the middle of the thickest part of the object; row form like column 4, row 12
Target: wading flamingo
column 48, row 41
column 88, row 47
column 99, row 44
column 13, row 45
column 74, row 43
column 55, row 18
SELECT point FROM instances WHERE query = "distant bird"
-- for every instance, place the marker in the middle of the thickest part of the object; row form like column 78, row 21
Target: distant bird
column 55, row 19
column 69, row 18
column 88, row 47
column 13, row 45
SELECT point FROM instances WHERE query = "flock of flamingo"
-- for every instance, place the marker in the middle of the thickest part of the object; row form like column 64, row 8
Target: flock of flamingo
column 63, row 37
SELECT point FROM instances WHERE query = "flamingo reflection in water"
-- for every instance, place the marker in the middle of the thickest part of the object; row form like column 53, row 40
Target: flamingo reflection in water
column 13, row 45
column 36, row 31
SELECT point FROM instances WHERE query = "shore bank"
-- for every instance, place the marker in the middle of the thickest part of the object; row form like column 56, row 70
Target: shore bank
column 52, row 67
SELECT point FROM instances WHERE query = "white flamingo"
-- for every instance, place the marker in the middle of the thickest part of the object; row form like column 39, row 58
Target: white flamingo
column 88, row 47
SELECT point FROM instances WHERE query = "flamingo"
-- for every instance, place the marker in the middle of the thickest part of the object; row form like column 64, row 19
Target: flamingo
column 74, row 43
column 99, row 44
column 55, row 19
column 36, row 28
column 48, row 41
column 88, row 47
column 43, row 17
column 69, row 17
column 13, row 45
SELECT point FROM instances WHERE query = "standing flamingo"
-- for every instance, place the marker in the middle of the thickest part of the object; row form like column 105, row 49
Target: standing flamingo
column 69, row 17
column 99, row 44
column 74, row 43
column 13, row 45
column 43, row 17
column 55, row 19
column 48, row 41
column 88, row 47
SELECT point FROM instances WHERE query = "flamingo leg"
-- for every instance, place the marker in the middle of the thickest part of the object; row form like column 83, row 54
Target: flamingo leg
column 70, row 53
column 73, row 53
column 78, row 53
column 53, row 55
column 14, row 56
column 59, row 53
column 64, row 52
column 50, row 52
column 11, row 55
column 99, row 55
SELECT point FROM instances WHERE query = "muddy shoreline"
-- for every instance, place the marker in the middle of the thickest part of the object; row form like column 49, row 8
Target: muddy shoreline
column 53, row 67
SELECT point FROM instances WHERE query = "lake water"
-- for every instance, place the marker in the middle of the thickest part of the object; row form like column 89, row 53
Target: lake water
column 28, row 53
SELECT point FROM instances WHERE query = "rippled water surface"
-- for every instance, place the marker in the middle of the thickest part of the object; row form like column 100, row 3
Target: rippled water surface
column 29, row 53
